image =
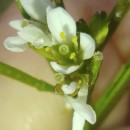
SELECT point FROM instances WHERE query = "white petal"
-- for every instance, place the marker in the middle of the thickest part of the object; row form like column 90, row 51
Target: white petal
column 63, row 69
column 35, row 36
column 83, row 92
column 15, row 44
column 78, row 122
column 69, row 89
column 87, row 45
column 83, row 109
column 16, row 24
column 59, row 21
column 36, row 8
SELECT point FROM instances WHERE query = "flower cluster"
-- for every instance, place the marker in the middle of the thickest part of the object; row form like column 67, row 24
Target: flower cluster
column 52, row 32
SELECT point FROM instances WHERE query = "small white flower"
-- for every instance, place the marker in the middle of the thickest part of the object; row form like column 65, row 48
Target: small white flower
column 63, row 28
column 82, row 111
column 30, row 33
column 60, row 24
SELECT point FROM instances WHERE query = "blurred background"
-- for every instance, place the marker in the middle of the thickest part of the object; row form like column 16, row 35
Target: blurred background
column 25, row 108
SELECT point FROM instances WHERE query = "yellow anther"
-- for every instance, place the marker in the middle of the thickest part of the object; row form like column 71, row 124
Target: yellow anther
column 74, row 39
column 48, row 49
column 62, row 35
column 72, row 55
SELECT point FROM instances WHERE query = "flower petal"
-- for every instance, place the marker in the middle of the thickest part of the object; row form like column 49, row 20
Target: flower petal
column 87, row 45
column 59, row 21
column 36, row 8
column 16, row 24
column 35, row 36
column 69, row 89
column 63, row 69
column 83, row 109
column 15, row 44
column 78, row 121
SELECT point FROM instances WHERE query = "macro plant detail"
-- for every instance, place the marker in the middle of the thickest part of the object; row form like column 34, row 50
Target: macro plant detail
column 73, row 50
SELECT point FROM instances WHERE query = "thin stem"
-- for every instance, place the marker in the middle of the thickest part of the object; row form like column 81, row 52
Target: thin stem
column 111, row 96
column 95, row 64
column 18, row 75
column 115, row 17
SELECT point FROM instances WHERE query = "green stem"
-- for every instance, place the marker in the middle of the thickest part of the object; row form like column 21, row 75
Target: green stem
column 18, row 75
column 115, row 17
column 111, row 96
column 95, row 64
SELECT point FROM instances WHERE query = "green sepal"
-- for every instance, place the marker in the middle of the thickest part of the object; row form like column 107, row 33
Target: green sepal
column 99, row 27
column 82, row 26
column 21, row 9
column 59, row 3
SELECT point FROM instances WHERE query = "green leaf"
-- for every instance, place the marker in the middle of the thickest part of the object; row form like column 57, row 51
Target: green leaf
column 21, row 76
column 23, row 12
column 99, row 27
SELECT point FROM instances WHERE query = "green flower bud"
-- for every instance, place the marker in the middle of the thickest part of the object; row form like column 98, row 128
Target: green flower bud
column 59, row 77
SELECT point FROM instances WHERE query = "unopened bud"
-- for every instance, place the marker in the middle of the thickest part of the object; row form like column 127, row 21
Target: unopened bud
column 59, row 77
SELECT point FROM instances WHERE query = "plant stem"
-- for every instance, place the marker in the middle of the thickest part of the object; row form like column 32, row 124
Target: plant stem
column 111, row 96
column 18, row 75
column 115, row 17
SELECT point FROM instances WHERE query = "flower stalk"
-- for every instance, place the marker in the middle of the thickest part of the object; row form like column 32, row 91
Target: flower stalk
column 111, row 96
column 18, row 75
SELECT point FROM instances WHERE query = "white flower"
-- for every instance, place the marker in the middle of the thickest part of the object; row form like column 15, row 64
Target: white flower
column 60, row 24
column 30, row 33
column 63, row 28
column 82, row 111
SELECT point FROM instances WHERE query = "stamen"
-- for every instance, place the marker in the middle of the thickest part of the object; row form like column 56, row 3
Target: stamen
column 72, row 55
column 63, row 49
column 62, row 35
column 79, row 82
column 48, row 49
column 74, row 39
